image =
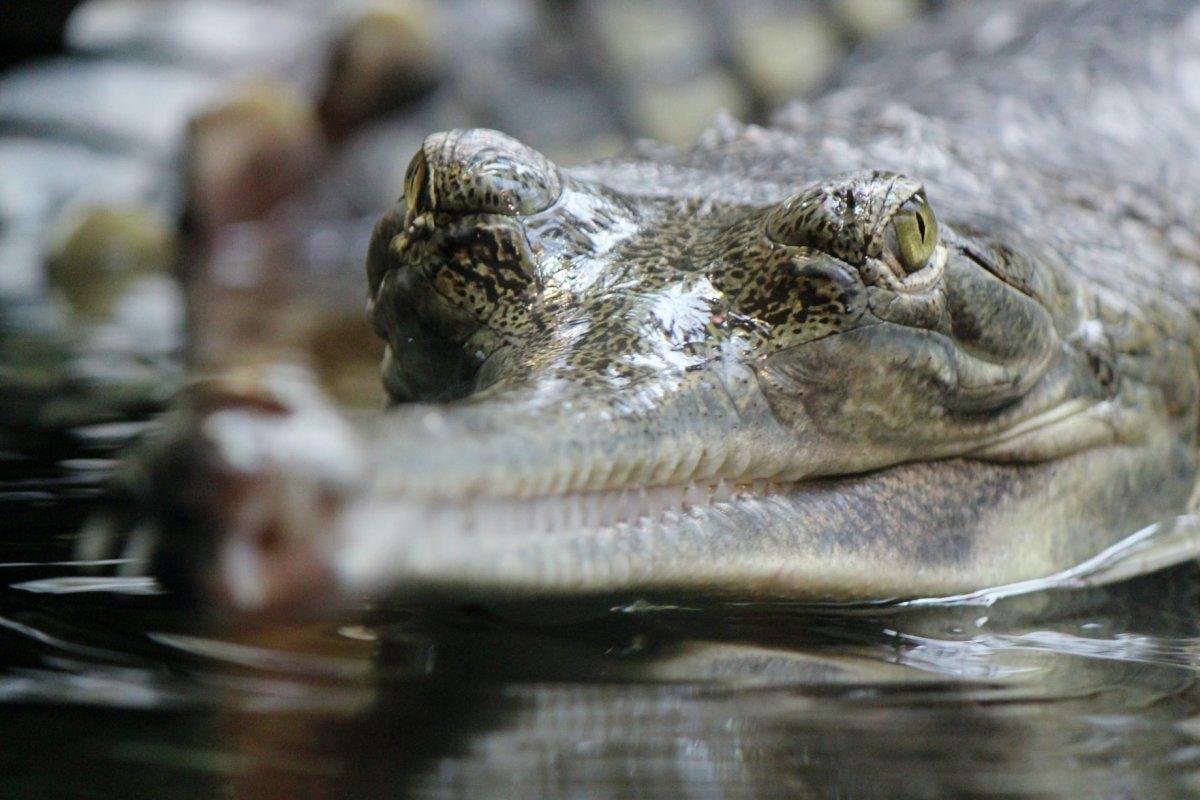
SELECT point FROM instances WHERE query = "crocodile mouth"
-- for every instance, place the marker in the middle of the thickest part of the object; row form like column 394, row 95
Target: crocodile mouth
column 870, row 529
column 643, row 505
column 497, row 500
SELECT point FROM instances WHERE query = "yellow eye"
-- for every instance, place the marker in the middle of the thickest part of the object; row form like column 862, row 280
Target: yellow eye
column 916, row 234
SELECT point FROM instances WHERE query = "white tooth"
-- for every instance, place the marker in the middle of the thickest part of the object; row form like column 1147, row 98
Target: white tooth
column 721, row 493
column 696, row 495
column 759, row 488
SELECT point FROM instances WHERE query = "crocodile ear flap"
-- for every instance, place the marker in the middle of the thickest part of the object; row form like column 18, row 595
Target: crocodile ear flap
column 845, row 217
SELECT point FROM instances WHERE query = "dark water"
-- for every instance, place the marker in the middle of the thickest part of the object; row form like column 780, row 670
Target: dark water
column 111, row 690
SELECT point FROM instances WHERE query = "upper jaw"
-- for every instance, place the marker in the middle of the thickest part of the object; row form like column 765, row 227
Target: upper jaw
column 560, row 439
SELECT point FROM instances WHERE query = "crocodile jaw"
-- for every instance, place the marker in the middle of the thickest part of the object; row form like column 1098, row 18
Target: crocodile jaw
column 920, row 529
column 698, row 491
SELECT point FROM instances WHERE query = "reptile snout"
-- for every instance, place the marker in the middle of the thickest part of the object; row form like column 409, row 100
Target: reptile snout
column 480, row 171
column 451, row 271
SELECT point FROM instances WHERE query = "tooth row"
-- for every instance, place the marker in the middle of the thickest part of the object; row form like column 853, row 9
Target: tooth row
column 583, row 510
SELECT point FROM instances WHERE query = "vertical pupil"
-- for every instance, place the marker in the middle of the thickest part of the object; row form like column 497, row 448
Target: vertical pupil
column 921, row 225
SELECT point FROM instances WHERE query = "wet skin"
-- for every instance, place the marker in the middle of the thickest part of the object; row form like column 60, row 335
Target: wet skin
column 875, row 351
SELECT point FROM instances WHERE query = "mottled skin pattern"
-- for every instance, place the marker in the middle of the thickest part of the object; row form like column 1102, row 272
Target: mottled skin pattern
column 1000, row 398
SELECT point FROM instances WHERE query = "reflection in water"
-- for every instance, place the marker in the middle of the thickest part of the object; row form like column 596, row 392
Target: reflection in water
column 110, row 690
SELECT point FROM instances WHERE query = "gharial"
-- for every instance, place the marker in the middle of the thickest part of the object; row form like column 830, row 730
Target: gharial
column 933, row 331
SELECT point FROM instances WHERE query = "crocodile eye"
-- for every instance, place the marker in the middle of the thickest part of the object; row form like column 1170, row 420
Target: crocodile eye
column 913, row 234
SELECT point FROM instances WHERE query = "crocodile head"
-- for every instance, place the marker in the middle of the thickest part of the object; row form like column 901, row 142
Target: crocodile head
column 837, row 393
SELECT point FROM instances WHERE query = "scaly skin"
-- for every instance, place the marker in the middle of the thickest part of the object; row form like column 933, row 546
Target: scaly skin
column 736, row 331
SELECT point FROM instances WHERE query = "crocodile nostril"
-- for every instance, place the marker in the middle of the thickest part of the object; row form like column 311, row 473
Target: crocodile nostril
column 416, row 182
column 480, row 171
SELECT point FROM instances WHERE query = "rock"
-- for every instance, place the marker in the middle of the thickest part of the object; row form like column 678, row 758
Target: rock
column 100, row 253
column 46, row 178
column 785, row 53
column 660, row 40
column 676, row 113
column 383, row 59
column 870, row 19
column 249, row 152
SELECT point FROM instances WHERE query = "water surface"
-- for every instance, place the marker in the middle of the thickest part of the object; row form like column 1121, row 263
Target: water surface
column 112, row 689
